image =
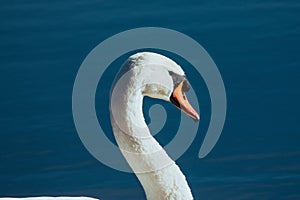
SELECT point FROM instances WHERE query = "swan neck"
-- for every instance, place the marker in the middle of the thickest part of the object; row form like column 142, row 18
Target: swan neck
column 160, row 177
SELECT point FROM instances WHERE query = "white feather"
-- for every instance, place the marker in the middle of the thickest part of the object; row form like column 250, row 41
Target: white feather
column 163, row 178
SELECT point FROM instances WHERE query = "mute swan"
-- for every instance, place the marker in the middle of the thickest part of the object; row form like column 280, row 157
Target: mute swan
column 156, row 76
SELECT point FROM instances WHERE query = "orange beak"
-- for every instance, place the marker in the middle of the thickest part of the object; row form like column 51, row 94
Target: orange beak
column 178, row 98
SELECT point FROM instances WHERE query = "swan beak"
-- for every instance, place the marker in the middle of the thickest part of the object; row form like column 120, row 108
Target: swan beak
column 178, row 98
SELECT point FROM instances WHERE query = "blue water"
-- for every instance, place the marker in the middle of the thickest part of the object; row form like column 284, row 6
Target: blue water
column 255, row 45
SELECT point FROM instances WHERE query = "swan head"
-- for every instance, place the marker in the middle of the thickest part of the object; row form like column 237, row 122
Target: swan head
column 164, row 79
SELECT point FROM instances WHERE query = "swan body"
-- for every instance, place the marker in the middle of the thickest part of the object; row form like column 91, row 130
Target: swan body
column 49, row 198
column 156, row 76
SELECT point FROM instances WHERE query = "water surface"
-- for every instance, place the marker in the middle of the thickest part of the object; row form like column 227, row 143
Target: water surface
column 255, row 44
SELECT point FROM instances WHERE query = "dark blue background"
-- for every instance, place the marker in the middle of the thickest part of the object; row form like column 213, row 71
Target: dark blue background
column 255, row 44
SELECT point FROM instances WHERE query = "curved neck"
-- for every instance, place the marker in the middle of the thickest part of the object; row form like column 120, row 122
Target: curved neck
column 160, row 177
column 139, row 147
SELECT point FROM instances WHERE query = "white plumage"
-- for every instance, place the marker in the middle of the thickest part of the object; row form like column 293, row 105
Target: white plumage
column 163, row 178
